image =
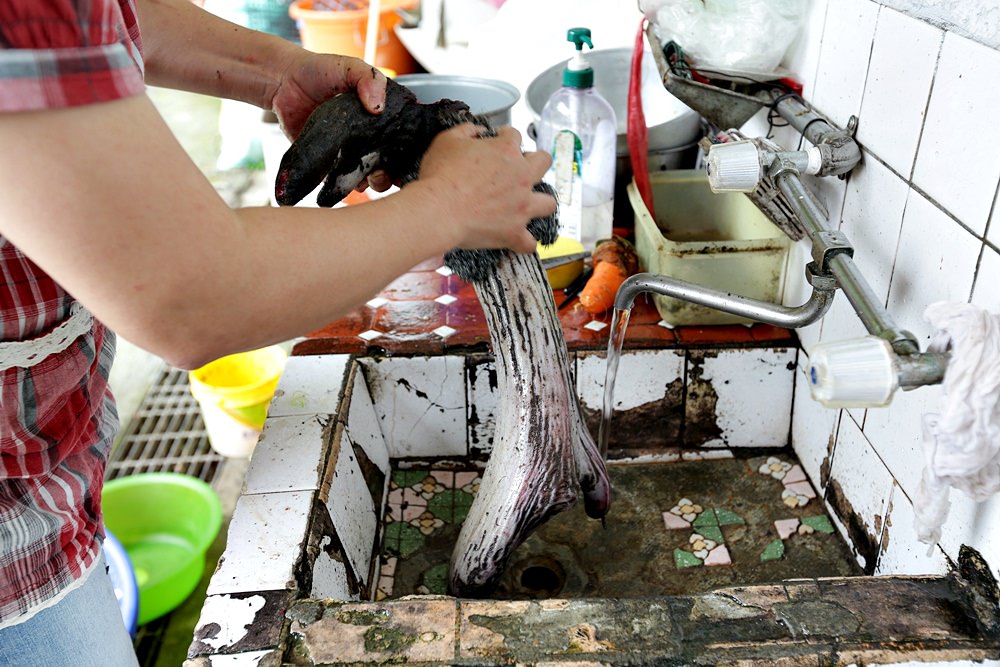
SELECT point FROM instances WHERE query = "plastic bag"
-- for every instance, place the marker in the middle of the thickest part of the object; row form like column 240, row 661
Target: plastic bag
column 729, row 35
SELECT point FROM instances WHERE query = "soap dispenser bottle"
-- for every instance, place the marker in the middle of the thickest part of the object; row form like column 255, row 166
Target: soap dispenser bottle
column 578, row 128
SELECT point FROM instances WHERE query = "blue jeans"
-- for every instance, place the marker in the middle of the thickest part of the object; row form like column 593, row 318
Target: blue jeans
column 84, row 629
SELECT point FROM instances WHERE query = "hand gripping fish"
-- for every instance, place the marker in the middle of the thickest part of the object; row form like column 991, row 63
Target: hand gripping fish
column 543, row 453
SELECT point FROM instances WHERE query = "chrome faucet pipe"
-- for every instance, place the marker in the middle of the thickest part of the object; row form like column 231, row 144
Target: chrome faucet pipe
column 833, row 253
column 760, row 311
column 840, row 153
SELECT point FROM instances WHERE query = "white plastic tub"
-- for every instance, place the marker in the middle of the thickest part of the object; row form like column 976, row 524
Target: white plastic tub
column 715, row 240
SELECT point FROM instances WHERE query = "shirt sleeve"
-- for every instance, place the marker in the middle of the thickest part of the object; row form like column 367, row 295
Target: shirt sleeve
column 65, row 53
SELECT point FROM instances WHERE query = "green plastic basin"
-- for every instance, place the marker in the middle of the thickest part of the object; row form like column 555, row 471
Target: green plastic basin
column 166, row 522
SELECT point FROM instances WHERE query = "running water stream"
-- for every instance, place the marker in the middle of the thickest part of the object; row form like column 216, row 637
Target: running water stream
column 619, row 323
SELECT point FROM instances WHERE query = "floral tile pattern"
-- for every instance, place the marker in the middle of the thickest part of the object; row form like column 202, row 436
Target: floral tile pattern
column 733, row 521
column 706, row 544
column 420, row 504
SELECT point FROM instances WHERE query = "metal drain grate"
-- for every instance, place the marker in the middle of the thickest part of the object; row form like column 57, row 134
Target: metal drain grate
column 166, row 434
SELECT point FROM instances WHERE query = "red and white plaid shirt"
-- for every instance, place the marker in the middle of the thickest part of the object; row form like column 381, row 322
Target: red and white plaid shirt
column 57, row 416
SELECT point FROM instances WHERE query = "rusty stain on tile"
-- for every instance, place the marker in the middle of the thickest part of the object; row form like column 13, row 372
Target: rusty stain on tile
column 862, row 539
column 700, row 401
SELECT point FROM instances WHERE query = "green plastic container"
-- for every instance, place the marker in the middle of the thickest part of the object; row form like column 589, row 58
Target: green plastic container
column 166, row 522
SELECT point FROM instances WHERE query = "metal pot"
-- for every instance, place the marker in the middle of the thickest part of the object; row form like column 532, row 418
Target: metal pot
column 488, row 97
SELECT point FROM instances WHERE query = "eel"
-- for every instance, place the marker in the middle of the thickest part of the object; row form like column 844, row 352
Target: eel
column 543, row 454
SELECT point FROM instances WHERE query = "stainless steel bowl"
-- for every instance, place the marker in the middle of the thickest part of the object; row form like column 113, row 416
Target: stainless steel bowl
column 488, row 97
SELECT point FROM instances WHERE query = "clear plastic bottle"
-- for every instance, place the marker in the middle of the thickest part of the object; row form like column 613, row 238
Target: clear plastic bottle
column 578, row 128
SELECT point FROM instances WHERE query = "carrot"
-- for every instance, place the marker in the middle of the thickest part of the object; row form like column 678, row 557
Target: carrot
column 599, row 293
column 614, row 260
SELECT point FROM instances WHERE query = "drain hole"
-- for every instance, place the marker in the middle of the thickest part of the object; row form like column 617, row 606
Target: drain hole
column 541, row 578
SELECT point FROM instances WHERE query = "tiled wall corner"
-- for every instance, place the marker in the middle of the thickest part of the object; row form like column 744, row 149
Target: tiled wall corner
column 752, row 402
column 814, row 431
column 352, row 509
column 362, row 428
column 859, row 490
column 917, row 210
column 310, row 385
column 426, row 416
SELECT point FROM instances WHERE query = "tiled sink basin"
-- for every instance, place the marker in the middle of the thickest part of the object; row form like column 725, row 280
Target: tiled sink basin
column 366, row 466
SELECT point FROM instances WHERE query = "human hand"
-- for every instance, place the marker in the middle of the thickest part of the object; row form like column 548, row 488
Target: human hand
column 484, row 187
column 313, row 78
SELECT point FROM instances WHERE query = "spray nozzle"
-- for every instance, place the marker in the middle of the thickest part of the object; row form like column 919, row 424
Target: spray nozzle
column 578, row 73
column 579, row 36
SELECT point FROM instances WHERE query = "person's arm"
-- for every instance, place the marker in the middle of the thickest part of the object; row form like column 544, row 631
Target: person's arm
column 104, row 199
column 190, row 49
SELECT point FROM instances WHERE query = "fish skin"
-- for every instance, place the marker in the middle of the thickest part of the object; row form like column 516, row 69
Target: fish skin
column 543, row 452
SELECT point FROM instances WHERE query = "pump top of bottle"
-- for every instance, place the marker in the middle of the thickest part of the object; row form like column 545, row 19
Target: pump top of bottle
column 578, row 72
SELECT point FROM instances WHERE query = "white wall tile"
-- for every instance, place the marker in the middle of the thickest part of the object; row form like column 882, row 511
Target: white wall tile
column 841, row 322
column 233, row 620
column 843, row 58
column 896, row 432
column 798, row 290
column 936, row 261
column 362, row 426
column 872, row 218
column 643, row 377
column 310, row 385
column 754, row 390
column 329, row 577
column 420, row 403
column 814, row 428
column 974, row 524
column 986, row 293
column 265, row 539
column 288, row 456
column 352, row 510
column 802, row 58
column 901, row 551
column 957, row 171
column 862, row 477
column 902, row 65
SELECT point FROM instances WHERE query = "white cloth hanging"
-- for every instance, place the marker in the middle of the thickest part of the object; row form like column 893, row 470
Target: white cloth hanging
column 962, row 441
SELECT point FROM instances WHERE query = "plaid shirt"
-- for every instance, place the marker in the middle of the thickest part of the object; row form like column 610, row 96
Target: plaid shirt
column 57, row 416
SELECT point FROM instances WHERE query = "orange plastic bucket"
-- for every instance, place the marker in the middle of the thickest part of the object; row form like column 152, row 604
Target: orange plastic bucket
column 343, row 31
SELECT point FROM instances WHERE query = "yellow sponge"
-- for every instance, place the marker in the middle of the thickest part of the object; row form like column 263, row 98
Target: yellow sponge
column 561, row 276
